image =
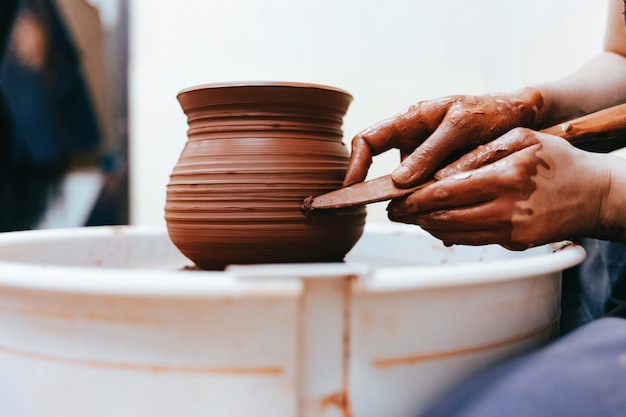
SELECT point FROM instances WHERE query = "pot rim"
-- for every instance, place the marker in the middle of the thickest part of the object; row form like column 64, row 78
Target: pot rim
column 237, row 84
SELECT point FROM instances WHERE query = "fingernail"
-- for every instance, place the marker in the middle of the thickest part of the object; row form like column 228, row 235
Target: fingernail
column 392, row 213
column 401, row 174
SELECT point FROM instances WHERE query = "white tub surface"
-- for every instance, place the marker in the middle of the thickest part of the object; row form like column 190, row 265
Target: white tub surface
column 110, row 321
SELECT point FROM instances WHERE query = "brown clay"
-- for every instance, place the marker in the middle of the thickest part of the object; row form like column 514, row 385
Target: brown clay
column 254, row 152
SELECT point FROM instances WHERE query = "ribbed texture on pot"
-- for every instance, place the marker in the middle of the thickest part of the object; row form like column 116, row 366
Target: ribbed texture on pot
column 254, row 153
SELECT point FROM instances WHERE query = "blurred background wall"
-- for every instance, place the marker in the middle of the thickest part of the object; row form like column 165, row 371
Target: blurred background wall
column 389, row 55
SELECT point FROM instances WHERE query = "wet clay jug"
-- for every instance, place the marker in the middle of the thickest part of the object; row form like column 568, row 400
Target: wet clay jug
column 254, row 152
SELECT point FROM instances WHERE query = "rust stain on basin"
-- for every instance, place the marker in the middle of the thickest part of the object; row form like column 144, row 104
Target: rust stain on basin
column 337, row 399
column 261, row 370
column 435, row 356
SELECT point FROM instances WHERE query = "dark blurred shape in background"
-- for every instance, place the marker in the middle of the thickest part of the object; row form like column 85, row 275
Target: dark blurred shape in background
column 58, row 120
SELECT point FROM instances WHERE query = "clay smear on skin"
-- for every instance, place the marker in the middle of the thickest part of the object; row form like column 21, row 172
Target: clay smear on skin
column 474, row 119
column 510, row 195
column 528, row 189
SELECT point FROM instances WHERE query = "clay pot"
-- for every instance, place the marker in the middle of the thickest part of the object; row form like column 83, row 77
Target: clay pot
column 255, row 151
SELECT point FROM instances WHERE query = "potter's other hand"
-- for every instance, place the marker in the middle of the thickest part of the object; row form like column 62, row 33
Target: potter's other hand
column 430, row 131
column 520, row 190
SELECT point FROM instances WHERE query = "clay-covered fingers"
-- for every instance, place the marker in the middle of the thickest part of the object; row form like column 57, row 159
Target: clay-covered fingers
column 424, row 160
column 360, row 161
column 432, row 131
column 405, row 132
column 462, row 191
column 474, row 207
column 523, row 190
column 478, row 225
column 511, row 142
column 470, row 121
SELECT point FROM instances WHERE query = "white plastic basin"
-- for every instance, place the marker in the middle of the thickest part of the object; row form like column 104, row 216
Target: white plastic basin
column 106, row 322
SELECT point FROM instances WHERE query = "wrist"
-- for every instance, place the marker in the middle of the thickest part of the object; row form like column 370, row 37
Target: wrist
column 611, row 221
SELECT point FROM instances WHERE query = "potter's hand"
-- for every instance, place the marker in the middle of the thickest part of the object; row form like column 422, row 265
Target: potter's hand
column 430, row 131
column 520, row 190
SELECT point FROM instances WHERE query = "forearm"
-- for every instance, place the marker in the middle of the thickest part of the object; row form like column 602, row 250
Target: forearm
column 598, row 84
column 611, row 223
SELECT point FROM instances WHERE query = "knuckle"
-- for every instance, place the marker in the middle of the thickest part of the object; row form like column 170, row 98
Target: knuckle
column 360, row 144
column 518, row 133
column 522, row 135
column 518, row 174
column 441, row 195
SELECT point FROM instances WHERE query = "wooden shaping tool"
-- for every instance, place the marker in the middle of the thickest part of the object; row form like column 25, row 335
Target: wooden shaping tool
column 602, row 131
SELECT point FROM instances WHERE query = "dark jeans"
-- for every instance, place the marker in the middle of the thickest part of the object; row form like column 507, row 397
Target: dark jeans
column 582, row 374
column 597, row 287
